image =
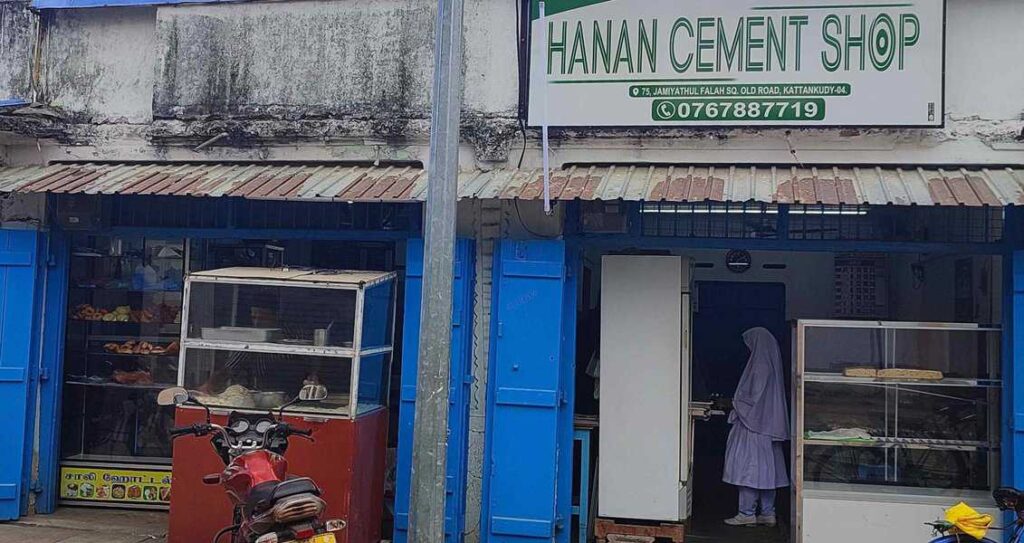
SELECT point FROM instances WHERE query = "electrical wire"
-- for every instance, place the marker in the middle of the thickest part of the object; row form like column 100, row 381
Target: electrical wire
column 522, row 223
column 519, row 65
column 522, row 154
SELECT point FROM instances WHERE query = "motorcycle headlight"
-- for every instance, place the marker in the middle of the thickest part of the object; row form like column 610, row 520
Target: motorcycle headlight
column 296, row 508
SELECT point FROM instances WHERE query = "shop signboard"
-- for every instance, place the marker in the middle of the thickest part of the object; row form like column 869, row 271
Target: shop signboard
column 115, row 486
column 671, row 63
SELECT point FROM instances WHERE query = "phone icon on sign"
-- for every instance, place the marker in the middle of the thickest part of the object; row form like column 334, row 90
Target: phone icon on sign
column 665, row 110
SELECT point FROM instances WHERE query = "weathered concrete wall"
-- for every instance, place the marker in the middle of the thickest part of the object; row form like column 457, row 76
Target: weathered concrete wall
column 492, row 71
column 360, row 59
column 17, row 39
column 98, row 64
column 984, row 78
column 328, row 70
column 330, row 74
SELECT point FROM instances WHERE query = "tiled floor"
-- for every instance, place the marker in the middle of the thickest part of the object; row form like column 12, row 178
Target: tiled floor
column 716, row 532
column 87, row 525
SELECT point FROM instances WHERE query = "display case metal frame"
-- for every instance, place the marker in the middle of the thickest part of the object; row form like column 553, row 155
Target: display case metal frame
column 164, row 331
column 358, row 281
column 800, row 377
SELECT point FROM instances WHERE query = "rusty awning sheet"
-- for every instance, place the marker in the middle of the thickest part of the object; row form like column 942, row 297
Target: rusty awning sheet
column 845, row 185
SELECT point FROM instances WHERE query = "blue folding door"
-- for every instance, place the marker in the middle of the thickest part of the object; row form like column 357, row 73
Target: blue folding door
column 530, row 394
column 461, row 379
column 19, row 253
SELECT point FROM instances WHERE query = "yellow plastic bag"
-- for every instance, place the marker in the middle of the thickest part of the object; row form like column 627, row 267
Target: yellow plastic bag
column 968, row 521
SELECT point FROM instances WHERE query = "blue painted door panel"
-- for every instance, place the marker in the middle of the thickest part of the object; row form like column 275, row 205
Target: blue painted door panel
column 18, row 278
column 461, row 379
column 54, row 303
column 1013, row 373
column 529, row 410
column 566, row 414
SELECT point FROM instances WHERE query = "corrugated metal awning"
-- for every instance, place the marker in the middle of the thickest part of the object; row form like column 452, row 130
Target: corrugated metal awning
column 770, row 184
column 350, row 183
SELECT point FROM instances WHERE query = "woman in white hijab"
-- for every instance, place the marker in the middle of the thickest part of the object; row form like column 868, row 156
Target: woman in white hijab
column 760, row 424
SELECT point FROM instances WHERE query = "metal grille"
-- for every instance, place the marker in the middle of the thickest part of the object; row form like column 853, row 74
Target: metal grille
column 822, row 222
column 709, row 220
column 187, row 212
column 892, row 223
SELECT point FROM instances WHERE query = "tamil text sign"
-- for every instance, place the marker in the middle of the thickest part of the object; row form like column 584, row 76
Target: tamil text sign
column 734, row 62
column 120, row 486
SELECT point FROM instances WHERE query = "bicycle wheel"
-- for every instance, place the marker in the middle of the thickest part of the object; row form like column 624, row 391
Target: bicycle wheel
column 961, row 538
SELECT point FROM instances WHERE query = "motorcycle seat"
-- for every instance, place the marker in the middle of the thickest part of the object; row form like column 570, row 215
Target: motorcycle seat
column 265, row 495
column 292, row 487
column 1009, row 499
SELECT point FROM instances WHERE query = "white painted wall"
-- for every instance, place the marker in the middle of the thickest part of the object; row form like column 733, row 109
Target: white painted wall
column 982, row 42
column 932, row 299
column 98, row 64
column 808, row 278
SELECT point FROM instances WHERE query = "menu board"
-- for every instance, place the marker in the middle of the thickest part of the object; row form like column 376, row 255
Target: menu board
column 124, row 486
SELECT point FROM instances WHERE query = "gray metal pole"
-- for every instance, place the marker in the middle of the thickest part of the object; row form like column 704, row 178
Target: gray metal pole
column 430, row 426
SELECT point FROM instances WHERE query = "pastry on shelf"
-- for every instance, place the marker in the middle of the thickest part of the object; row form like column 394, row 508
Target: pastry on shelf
column 141, row 347
column 860, row 371
column 138, row 377
column 910, row 373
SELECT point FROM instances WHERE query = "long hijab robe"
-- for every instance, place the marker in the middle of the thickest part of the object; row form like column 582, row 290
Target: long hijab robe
column 760, row 418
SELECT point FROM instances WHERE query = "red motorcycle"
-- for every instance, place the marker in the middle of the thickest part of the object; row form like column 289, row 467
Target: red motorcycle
column 269, row 505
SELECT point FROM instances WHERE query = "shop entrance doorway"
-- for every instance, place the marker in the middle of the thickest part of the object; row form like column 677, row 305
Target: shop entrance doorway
column 777, row 289
column 723, row 310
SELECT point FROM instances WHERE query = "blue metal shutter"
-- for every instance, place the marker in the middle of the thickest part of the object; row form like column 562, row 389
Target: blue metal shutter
column 18, row 254
column 529, row 409
column 53, row 302
column 461, row 379
column 1013, row 373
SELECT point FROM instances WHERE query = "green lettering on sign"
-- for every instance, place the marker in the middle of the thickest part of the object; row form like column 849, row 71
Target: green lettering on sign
column 681, row 23
column 739, row 110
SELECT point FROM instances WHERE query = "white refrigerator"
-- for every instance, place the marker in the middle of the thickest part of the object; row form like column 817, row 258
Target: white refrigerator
column 645, row 427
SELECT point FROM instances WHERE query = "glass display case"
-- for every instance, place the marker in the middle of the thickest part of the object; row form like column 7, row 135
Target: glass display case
column 121, row 346
column 253, row 336
column 895, row 408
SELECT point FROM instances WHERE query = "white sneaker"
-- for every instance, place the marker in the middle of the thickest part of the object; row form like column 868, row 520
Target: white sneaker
column 742, row 520
column 766, row 520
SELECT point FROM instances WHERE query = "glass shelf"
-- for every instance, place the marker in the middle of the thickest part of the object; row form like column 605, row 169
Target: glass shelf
column 898, row 432
column 903, row 443
column 274, row 348
column 140, row 280
column 253, row 336
column 108, row 384
column 944, row 382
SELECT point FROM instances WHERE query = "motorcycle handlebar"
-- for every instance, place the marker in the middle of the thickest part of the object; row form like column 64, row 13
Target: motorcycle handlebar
column 286, row 430
column 185, row 430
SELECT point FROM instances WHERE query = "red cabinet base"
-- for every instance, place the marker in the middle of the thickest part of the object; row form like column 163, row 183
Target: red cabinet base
column 347, row 461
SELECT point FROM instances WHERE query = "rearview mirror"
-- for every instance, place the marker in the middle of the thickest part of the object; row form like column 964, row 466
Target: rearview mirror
column 312, row 393
column 172, row 396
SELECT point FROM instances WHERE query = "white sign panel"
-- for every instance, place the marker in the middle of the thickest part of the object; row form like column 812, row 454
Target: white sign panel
column 737, row 62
